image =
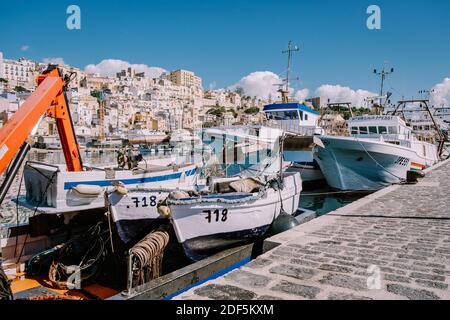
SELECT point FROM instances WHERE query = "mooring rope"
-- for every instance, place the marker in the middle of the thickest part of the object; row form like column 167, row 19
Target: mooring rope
column 147, row 256
column 378, row 164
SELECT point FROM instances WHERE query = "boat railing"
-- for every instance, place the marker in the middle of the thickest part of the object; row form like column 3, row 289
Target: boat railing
column 292, row 127
column 42, row 164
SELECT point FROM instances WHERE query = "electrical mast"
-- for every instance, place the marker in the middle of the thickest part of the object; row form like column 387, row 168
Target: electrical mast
column 383, row 73
column 285, row 91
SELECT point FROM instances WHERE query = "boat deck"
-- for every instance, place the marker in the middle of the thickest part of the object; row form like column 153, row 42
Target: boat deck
column 24, row 288
column 393, row 244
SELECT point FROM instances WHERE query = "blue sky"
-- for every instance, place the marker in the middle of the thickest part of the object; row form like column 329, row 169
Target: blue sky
column 225, row 40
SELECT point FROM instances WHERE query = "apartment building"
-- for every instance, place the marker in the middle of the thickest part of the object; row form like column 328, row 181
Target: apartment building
column 185, row 78
column 18, row 73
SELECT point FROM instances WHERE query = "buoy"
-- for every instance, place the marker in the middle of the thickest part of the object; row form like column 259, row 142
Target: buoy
column 164, row 211
column 283, row 223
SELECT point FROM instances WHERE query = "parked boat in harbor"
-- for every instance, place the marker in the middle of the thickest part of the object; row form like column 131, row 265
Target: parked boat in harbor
column 52, row 189
column 379, row 151
column 206, row 224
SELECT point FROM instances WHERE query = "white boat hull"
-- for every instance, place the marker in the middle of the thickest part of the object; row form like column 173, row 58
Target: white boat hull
column 220, row 221
column 356, row 164
column 135, row 214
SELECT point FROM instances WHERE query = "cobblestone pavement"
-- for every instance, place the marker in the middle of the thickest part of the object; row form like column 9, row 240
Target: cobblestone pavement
column 394, row 244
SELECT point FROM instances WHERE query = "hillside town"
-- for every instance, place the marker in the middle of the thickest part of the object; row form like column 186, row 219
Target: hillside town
column 104, row 106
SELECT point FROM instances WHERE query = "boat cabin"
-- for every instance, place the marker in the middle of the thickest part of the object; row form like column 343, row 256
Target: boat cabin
column 294, row 117
column 375, row 126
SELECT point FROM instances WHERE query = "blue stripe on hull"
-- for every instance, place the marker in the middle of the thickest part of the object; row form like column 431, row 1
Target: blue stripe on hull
column 106, row 183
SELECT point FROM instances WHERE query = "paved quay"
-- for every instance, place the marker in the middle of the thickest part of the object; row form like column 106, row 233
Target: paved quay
column 393, row 244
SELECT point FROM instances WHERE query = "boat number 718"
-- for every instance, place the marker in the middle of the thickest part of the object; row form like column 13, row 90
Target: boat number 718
column 219, row 216
column 144, row 202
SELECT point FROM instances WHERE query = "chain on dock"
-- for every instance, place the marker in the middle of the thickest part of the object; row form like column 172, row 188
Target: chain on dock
column 146, row 257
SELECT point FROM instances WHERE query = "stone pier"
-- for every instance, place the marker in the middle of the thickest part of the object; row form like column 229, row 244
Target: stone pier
column 393, row 244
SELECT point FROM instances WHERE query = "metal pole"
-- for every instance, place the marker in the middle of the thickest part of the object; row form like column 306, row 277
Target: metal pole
column 14, row 168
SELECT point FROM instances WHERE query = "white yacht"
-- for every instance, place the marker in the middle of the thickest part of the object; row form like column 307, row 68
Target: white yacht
column 379, row 151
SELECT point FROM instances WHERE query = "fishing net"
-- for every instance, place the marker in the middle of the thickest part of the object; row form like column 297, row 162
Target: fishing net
column 5, row 289
column 79, row 260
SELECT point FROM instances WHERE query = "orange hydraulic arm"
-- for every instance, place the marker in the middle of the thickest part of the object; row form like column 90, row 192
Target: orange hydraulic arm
column 48, row 99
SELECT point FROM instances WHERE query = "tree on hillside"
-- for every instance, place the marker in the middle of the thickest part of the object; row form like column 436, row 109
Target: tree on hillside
column 217, row 111
column 252, row 110
column 239, row 91
column 20, row 89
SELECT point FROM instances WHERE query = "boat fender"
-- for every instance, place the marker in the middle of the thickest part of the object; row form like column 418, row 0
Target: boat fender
column 88, row 190
column 121, row 190
column 245, row 185
column 164, row 211
column 283, row 223
column 178, row 194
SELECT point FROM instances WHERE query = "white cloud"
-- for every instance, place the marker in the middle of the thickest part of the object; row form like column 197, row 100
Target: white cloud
column 337, row 93
column 263, row 84
column 441, row 95
column 59, row 61
column 110, row 67
column 301, row 95
column 25, row 48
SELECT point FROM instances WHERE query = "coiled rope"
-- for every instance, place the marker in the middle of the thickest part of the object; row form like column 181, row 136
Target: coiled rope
column 146, row 257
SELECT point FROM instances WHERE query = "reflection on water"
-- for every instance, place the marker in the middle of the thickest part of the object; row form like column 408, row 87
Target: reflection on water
column 325, row 200
column 98, row 157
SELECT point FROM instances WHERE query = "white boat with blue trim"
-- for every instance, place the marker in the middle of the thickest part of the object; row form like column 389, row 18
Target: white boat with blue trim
column 302, row 121
column 53, row 189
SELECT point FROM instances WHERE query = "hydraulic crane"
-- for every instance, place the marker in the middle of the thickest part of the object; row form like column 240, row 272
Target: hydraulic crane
column 50, row 100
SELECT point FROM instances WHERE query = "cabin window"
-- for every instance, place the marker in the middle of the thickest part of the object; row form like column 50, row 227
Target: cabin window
column 373, row 130
column 382, row 130
column 301, row 115
column 393, row 130
column 362, row 130
column 354, row 130
column 306, row 116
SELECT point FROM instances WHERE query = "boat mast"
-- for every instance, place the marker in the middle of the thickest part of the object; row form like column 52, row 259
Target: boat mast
column 285, row 91
column 383, row 73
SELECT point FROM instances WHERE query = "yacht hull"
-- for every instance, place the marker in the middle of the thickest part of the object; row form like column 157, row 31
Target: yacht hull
column 354, row 164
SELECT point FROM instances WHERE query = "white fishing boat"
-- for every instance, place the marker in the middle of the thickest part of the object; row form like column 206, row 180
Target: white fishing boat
column 53, row 189
column 302, row 121
column 379, row 151
column 146, row 136
column 134, row 211
column 235, row 211
column 238, row 209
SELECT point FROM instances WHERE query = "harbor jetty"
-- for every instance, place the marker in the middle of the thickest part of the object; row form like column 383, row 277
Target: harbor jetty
column 392, row 244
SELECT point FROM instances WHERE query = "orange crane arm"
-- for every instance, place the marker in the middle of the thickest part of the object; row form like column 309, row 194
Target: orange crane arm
column 49, row 98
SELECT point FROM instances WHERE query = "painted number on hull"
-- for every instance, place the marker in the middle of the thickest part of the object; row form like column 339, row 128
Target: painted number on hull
column 144, row 202
column 216, row 215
